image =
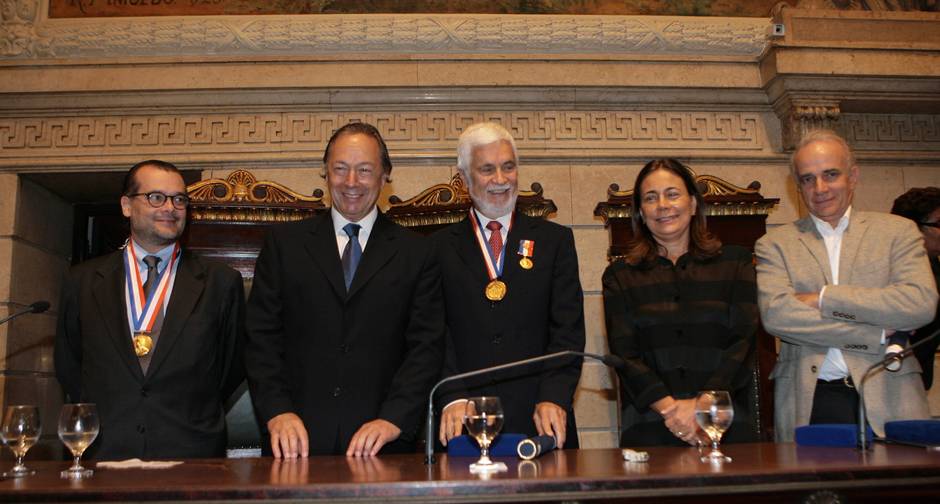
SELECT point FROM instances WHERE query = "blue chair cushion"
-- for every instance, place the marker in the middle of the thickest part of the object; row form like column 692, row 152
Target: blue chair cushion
column 914, row 431
column 830, row 435
column 503, row 446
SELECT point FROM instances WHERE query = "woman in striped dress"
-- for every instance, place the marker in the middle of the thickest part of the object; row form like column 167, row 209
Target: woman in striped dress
column 681, row 310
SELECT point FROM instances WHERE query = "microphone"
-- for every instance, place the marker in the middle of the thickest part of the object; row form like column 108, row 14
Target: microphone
column 609, row 360
column 890, row 360
column 37, row 307
column 533, row 447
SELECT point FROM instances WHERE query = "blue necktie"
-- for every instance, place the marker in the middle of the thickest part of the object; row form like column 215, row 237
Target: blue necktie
column 352, row 253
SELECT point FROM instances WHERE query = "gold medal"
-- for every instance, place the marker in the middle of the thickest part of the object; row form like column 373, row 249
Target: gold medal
column 495, row 290
column 526, row 263
column 143, row 343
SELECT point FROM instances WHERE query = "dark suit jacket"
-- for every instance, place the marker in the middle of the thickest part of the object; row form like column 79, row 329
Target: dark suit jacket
column 176, row 410
column 543, row 312
column 339, row 360
column 926, row 353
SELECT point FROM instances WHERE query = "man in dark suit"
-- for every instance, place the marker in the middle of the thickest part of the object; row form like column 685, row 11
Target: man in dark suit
column 152, row 334
column 511, row 292
column 345, row 321
column 922, row 205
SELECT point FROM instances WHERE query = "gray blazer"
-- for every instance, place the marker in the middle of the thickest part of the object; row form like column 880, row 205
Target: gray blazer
column 884, row 283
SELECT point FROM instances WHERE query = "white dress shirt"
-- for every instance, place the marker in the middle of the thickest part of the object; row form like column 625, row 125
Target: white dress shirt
column 365, row 230
column 834, row 367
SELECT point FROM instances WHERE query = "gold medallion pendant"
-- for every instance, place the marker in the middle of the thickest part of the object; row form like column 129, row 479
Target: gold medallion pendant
column 526, row 263
column 495, row 290
column 143, row 343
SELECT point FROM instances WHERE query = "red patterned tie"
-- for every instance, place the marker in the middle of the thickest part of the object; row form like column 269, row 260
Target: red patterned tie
column 496, row 239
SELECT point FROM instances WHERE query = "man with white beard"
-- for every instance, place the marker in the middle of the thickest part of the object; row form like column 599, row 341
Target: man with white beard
column 511, row 291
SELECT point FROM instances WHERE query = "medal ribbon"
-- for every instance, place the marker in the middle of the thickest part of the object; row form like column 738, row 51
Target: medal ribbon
column 494, row 265
column 143, row 319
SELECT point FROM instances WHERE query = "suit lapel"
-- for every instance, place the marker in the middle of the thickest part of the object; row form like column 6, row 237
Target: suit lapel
column 851, row 244
column 320, row 243
column 468, row 250
column 379, row 251
column 812, row 240
column 187, row 289
column 109, row 295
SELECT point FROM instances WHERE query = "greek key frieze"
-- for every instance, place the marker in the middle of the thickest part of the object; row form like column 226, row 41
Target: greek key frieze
column 402, row 130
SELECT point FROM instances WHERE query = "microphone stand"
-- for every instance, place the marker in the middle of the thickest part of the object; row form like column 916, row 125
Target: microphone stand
column 37, row 307
column 608, row 360
column 891, row 357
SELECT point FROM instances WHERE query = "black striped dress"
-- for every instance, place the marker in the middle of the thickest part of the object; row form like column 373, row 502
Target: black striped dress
column 682, row 328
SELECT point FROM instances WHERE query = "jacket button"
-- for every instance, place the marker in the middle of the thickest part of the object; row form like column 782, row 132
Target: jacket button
column 337, row 391
column 813, row 369
column 141, row 429
column 497, row 340
column 676, row 299
column 344, row 349
column 143, row 391
column 679, row 332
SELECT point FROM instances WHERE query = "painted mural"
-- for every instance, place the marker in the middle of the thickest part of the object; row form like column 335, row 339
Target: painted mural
column 113, row 8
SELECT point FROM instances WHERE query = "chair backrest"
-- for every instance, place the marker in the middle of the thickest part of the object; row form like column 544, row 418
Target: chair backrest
column 443, row 204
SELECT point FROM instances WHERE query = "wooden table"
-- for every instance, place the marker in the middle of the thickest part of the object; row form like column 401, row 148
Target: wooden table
column 761, row 472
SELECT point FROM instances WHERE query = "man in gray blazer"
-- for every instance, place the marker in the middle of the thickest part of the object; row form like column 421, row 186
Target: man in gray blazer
column 832, row 287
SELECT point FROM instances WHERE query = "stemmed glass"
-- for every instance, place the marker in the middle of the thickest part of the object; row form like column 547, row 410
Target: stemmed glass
column 20, row 431
column 78, row 428
column 484, row 419
column 714, row 413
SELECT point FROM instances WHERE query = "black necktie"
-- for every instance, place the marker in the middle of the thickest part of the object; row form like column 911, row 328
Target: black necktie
column 352, row 253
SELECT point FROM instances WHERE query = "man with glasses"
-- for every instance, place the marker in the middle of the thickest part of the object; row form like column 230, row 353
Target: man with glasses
column 152, row 334
column 922, row 205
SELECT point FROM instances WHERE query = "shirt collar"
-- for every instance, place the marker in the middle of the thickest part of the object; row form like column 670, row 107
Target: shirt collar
column 164, row 255
column 505, row 220
column 339, row 222
column 827, row 230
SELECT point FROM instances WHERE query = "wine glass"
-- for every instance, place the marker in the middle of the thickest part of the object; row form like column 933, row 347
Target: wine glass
column 20, row 431
column 484, row 419
column 714, row 413
column 78, row 428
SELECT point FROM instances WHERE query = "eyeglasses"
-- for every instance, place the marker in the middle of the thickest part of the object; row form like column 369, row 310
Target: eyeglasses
column 157, row 199
column 929, row 224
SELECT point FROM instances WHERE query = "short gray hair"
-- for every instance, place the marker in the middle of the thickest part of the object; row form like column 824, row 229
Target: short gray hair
column 822, row 135
column 475, row 135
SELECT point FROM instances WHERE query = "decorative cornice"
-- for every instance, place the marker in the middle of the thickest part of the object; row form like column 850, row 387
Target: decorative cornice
column 242, row 198
column 722, row 198
column 26, row 33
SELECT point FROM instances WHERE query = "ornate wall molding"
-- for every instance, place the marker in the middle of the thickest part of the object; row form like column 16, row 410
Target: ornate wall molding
column 892, row 131
column 25, row 32
column 578, row 131
column 800, row 115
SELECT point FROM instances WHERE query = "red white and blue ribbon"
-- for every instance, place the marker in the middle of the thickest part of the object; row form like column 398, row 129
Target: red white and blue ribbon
column 526, row 248
column 143, row 311
column 494, row 265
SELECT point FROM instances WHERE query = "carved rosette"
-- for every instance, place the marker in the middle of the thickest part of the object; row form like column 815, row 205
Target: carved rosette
column 722, row 198
column 242, row 198
column 448, row 203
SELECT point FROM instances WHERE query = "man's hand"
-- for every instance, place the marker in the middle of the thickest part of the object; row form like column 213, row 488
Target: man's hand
column 288, row 436
column 550, row 420
column 452, row 421
column 371, row 437
column 810, row 299
column 680, row 420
